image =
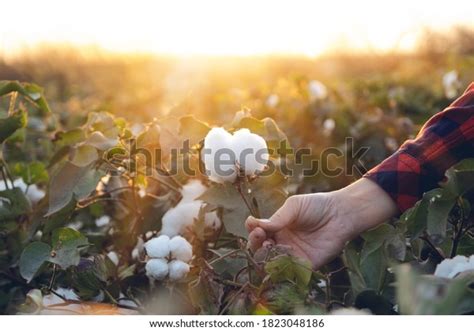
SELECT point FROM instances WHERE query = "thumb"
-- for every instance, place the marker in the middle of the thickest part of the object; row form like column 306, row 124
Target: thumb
column 279, row 220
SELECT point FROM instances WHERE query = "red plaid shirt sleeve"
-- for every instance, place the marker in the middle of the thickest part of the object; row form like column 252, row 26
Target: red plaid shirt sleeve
column 419, row 165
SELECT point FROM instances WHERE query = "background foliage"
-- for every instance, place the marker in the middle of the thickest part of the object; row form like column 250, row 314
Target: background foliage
column 95, row 104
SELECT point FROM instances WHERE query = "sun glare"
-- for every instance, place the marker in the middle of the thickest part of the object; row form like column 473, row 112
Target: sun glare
column 231, row 27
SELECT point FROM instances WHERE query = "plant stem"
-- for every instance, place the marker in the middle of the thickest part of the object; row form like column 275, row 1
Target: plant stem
column 171, row 187
column 231, row 300
column 53, row 278
column 458, row 230
column 427, row 240
column 249, row 206
column 12, row 105
column 224, row 256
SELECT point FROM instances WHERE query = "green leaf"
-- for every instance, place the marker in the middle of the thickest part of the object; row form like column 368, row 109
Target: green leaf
column 416, row 218
column 32, row 258
column 89, row 277
column 440, row 204
column 31, row 173
column 460, row 177
column 235, row 212
column 150, row 138
column 192, row 129
column 283, row 299
column 88, row 183
column 84, row 155
column 430, row 213
column 396, row 247
column 373, row 269
column 103, row 122
column 31, row 91
column 66, row 243
column 206, row 294
column 9, row 125
column 269, row 193
column 70, row 137
column 62, row 186
column 14, row 204
column 289, row 268
column 101, row 142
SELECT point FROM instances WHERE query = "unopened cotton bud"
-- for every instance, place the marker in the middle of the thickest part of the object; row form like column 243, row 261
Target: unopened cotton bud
column 158, row 247
column 178, row 270
column 181, row 249
column 157, row 268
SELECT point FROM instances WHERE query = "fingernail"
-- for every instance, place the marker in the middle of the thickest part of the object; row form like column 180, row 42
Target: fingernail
column 264, row 220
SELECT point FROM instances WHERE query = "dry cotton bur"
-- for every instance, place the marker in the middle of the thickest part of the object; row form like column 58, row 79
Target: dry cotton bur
column 108, row 213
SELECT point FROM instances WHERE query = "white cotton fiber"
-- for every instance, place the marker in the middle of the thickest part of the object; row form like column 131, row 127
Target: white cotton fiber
column 178, row 270
column 181, row 249
column 158, row 247
column 157, row 269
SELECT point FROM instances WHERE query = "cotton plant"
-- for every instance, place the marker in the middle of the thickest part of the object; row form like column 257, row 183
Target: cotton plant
column 236, row 158
column 168, row 257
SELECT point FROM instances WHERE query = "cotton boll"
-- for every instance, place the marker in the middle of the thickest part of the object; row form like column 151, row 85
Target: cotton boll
column 19, row 183
column 157, row 268
column 218, row 157
column 451, row 84
column 192, row 190
column 178, row 270
column 35, row 194
column 102, row 221
column 181, row 249
column 450, row 268
column 328, row 126
column 32, row 192
column 177, row 219
column 158, row 247
column 272, row 101
column 317, row 90
column 251, row 151
column 171, row 222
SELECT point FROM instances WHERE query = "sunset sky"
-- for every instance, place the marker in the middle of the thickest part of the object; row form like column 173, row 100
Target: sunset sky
column 232, row 27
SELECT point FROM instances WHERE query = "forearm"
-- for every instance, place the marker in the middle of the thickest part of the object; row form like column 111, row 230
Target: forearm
column 364, row 204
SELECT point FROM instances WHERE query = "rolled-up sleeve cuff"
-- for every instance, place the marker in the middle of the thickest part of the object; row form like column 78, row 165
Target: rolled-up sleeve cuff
column 399, row 176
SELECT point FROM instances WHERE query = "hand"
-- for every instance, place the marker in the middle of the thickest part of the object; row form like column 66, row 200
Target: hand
column 317, row 226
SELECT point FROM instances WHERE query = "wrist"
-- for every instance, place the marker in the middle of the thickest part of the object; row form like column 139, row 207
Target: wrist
column 364, row 204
